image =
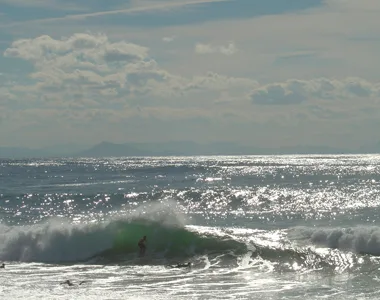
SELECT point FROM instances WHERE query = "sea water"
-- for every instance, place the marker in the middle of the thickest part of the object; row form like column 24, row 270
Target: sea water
column 253, row 227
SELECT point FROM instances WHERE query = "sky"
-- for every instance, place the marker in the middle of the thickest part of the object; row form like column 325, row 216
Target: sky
column 268, row 73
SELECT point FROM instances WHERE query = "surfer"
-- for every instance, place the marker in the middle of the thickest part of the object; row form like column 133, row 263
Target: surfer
column 182, row 265
column 2, row 265
column 142, row 245
column 69, row 283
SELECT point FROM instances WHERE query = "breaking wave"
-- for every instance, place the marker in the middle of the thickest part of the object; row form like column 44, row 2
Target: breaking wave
column 170, row 240
column 360, row 240
column 55, row 241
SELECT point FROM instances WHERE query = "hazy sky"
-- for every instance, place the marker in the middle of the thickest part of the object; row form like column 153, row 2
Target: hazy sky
column 266, row 73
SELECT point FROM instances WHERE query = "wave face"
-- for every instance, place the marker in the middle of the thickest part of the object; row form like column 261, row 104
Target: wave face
column 115, row 242
column 56, row 242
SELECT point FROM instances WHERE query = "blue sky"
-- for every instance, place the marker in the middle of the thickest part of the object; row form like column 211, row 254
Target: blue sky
column 267, row 73
column 190, row 13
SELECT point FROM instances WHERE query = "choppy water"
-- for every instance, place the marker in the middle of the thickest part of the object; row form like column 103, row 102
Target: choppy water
column 260, row 227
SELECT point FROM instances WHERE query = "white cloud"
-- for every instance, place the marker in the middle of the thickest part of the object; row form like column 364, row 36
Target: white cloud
column 321, row 32
column 216, row 81
column 90, row 70
column 209, row 49
column 169, row 39
column 90, row 82
column 297, row 91
column 87, row 63
column 319, row 39
column 82, row 68
column 90, row 48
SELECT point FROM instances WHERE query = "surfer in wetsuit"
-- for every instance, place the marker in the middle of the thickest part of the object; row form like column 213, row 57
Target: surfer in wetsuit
column 142, row 245
column 69, row 283
column 182, row 265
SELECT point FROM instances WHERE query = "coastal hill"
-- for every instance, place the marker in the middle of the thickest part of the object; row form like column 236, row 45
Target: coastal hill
column 108, row 149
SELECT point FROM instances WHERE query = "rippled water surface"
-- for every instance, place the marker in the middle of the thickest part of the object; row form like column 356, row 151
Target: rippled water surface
column 278, row 227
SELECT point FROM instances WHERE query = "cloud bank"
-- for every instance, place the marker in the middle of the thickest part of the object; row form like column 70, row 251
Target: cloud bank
column 298, row 91
column 86, row 81
column 230, row 49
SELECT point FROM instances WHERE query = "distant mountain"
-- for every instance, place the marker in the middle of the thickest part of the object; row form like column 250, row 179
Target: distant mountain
column 309, row 150
column 65, row 149
column 105, row 149
column 108, row 149
column 20, row 152
column 168, row 148
column 164, row 149
column 370, row 149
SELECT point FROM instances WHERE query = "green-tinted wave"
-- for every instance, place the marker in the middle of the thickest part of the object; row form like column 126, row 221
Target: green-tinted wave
column 166, row 241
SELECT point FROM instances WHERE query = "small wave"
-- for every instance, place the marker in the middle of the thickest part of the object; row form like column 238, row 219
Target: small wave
column 90, row 183
column 360, row 240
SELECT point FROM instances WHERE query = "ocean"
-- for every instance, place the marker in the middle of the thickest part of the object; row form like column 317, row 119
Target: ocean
column 252, row 227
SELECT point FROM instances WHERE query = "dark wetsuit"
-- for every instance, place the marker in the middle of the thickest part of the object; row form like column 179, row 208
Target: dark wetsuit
column 142, row 246
column 182, row 265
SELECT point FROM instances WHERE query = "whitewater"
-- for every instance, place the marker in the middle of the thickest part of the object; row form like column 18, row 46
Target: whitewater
column 252, row 227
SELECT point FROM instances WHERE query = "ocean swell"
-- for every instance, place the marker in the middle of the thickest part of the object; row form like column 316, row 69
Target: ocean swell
column 57, row 242
column 360, row 240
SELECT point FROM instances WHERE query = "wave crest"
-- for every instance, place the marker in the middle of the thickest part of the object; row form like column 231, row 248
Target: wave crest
column 360, row 240
column 57, row 242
